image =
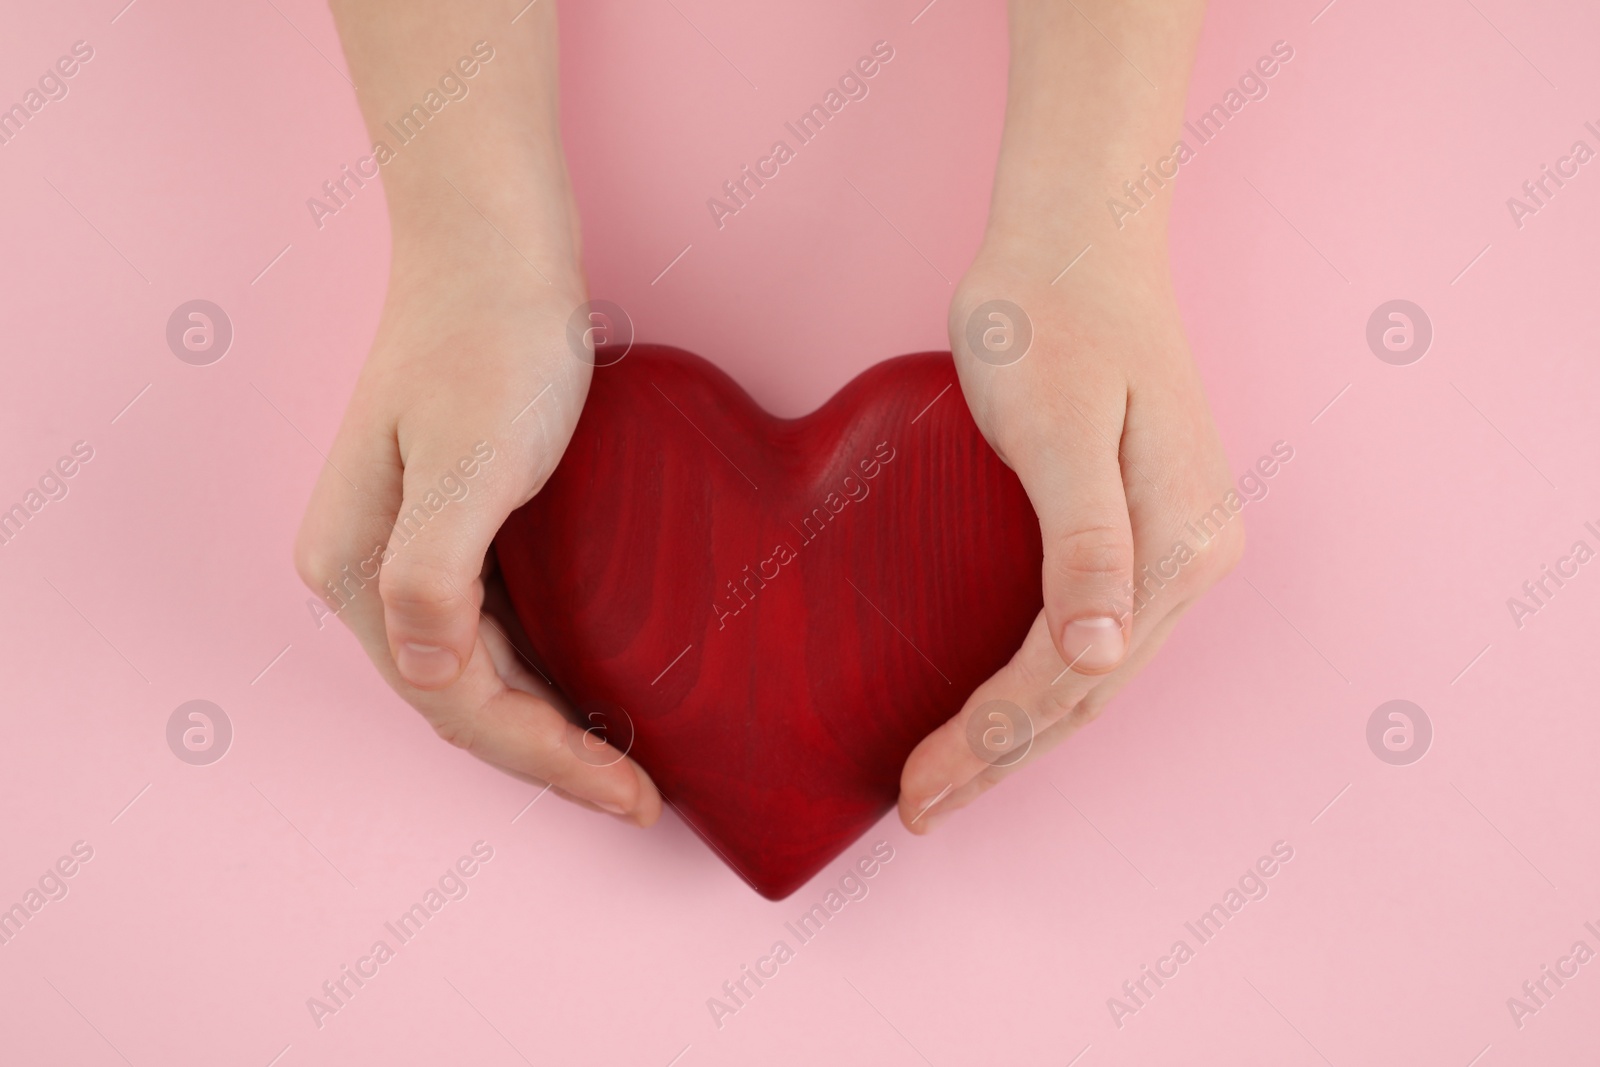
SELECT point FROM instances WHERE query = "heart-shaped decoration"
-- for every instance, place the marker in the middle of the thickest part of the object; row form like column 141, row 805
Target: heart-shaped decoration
column 769, row 614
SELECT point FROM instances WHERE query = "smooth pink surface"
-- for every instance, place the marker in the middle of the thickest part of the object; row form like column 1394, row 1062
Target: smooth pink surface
column 1379, row 565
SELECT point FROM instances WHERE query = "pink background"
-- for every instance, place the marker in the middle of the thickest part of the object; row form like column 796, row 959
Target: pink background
column 1379, row 566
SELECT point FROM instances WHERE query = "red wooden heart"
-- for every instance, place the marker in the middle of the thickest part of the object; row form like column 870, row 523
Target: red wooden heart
column 781, row 609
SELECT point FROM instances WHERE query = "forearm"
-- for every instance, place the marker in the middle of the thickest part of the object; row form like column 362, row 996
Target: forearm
column 462, row 109
column 1085, row 112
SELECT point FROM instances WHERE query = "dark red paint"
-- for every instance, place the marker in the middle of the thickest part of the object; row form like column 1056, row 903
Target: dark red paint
column 910, row 572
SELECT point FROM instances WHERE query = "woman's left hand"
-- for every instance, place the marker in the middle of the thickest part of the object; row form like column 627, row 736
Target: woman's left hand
column 1105, row 423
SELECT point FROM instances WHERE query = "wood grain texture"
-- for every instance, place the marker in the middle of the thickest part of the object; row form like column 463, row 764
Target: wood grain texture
column 772, row 613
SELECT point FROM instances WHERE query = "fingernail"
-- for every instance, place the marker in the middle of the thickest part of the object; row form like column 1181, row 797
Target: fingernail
column 427, row 665
column 925, row 811
column 1094, row 644
column 934, row 821
column 615, row 809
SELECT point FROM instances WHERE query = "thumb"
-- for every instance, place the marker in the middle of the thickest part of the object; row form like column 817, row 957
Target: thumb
column 1074, row 479
column 430, row 582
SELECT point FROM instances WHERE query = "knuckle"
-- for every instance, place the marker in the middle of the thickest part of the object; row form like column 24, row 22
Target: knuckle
column 310, row 564
column 1222, row 553
column 552, row 752
column 313, row 557
column 1057, row 701
column 1023, row 676
column 457, row 730
column 414, row 588
column 1094, row 554
column 1087, row 710
column 317, row 563
column 1091, row 706
column 1049, row 698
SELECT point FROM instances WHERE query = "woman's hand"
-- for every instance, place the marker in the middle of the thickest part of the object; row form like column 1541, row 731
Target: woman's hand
column 1105, row 423
column 468, row 397
column 1072, row 356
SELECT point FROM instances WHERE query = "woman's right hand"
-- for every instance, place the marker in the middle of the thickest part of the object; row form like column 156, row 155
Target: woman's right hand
column 467, row 400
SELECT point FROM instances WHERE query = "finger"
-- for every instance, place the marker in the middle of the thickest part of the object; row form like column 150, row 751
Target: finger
column 1087, row 627
column 454, row 500
column 1003, row 715
column 507, row 641
column 471, row 455
column 595, row 748
column 518, row 728
column 342, row 539
column 1069, row 464
column 528, row 734
column 951, row 767
column 935, row 757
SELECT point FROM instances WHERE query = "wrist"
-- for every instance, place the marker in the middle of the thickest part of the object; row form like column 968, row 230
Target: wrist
column 513, row 222
column 1118, row 200
column 1050, row 245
